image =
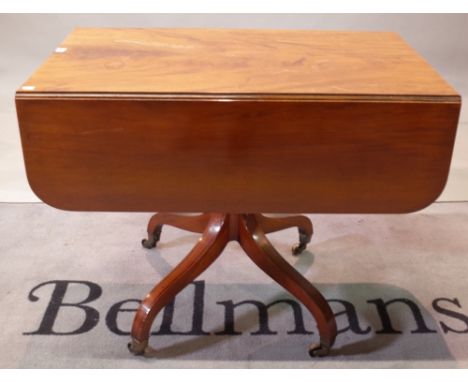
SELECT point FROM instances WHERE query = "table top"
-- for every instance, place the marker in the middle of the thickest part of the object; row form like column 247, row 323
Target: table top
column 316, row 121
column 237, row 63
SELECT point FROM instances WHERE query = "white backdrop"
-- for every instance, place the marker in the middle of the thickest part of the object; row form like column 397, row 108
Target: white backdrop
column 26, row 40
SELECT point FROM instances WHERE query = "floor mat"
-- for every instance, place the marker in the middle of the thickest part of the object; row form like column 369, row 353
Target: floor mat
column 71, row 281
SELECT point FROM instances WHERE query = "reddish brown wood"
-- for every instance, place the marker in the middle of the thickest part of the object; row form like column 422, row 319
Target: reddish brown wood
column 303, row 224
column 263, row 254
column 237, row 121
column 248, row 230
column 278, row 223
column 235, row 157
column 210, row 246
column 196, row 224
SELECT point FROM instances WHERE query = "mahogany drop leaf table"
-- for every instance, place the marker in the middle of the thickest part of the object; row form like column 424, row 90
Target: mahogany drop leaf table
column 235, row 123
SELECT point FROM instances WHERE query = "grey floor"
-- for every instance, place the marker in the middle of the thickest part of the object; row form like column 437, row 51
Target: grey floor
column 360, row 259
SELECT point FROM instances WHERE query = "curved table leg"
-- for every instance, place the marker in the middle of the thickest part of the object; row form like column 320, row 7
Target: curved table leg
column 263, row 254
column 195, row 223
column 303, row 224
column 205, row 252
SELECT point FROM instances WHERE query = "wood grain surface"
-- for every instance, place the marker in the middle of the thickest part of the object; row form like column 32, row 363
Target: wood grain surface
column 237, row 121
column 256, row 156
column 234, row 61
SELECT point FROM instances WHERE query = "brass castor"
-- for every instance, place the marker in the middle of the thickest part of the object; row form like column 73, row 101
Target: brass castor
column 318, row 350
column 152, row 239
column 136, row 347
column 148, row 243
column 303, row 241
column 298, row 248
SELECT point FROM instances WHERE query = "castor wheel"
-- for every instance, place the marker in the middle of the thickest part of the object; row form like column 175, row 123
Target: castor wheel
column 298, row 248
column 318, row 350
column 152, row 239
column 304, row 239
column 148, row 243
column 136, row 347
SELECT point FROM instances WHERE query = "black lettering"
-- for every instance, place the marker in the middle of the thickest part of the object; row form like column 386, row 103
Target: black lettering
column 262, row 317
column 387, row 327
column 111, row 317
column 56, row 303
column 450, row 313
column 352, row 316
column 197, row 318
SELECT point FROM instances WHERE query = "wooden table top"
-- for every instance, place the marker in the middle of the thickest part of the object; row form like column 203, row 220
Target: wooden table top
column 235, row 62
column 237, row 121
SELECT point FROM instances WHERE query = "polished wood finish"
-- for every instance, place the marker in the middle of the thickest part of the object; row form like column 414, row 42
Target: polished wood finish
column 239, row 122
column 189, row 223
column 249, row 230
column 210, row 246
column 128, row 119
column 236, row 61
column 242, row 156
column 303, row 224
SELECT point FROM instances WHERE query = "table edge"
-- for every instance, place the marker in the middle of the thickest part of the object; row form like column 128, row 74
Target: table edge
column 227, row 97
